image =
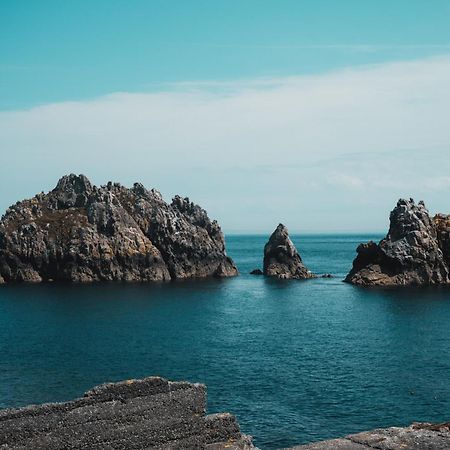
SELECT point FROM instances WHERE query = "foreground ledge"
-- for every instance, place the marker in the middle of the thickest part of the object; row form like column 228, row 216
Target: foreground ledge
column 151, row 413
column 418, row 436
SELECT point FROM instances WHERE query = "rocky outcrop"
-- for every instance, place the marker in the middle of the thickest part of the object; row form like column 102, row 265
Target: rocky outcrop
column 414, row 252
column 152, row 413
column 418, row 436
column 281, row 258
column 256, row 272
column 80, row 232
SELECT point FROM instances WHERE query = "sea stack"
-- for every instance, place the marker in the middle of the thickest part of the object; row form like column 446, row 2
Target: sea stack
column 80, row 232
column 281, row 258
column 414, row 252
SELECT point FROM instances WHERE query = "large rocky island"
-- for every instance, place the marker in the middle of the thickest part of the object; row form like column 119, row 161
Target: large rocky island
column 80, row 232
column 416, row 250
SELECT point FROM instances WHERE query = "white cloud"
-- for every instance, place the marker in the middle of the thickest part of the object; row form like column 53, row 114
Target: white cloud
column 438, row 183
column 254, row 152
column 346, row 181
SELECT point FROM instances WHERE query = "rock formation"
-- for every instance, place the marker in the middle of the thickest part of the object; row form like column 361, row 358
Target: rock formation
column 80, row 232
column 281, row 259
column 152, row 413
column 256, row 272
column 414, row 252
column 419, row 436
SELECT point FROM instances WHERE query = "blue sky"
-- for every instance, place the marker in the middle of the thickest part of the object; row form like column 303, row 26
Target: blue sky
column 66, row 50
column 261, row 111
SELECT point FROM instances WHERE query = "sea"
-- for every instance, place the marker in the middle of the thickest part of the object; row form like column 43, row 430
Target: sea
column 295, row 361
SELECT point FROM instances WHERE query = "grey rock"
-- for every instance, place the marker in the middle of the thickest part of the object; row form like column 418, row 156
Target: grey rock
column 281, row 258
column 80, row 232
column 151, row 413
column 418, row 436
column 72, row 191
column 256, row 272
column 442, row 224
column 414, row 252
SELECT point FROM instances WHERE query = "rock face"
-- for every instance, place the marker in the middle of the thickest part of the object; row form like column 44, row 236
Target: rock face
column 80, row 232
column 281, row 259
column 414, row 252
column 152, row 413
column 418, row 436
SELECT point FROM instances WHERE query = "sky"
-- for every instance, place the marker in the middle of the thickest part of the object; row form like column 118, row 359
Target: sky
column 318, row 114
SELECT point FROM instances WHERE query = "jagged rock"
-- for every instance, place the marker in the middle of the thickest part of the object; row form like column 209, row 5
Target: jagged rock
column 327, row 275
column 418, row 436
column 256, row 272
column 152, row 413
column 80, row 232
column 414, row 252
column 442, row 223
column 281, row 259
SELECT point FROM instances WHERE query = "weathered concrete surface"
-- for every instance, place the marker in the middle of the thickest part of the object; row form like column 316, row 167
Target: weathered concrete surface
column 418, row 436
column 152, row 413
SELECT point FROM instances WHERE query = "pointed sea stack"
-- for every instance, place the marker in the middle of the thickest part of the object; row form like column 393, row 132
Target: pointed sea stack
column 80, row 232
column 281, row 259
column 414, row 252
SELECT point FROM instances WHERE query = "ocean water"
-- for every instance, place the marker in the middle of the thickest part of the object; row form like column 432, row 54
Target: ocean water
column 296, row 361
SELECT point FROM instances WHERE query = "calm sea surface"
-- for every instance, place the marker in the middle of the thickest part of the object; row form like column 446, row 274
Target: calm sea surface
column 295, row 361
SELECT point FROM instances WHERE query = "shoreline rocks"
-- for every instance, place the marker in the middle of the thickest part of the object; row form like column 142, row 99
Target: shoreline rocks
column 416, row 436
column 154, row 413
column 414, row 252
column 151, row 413
column 83, row 233
column 281, row 258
